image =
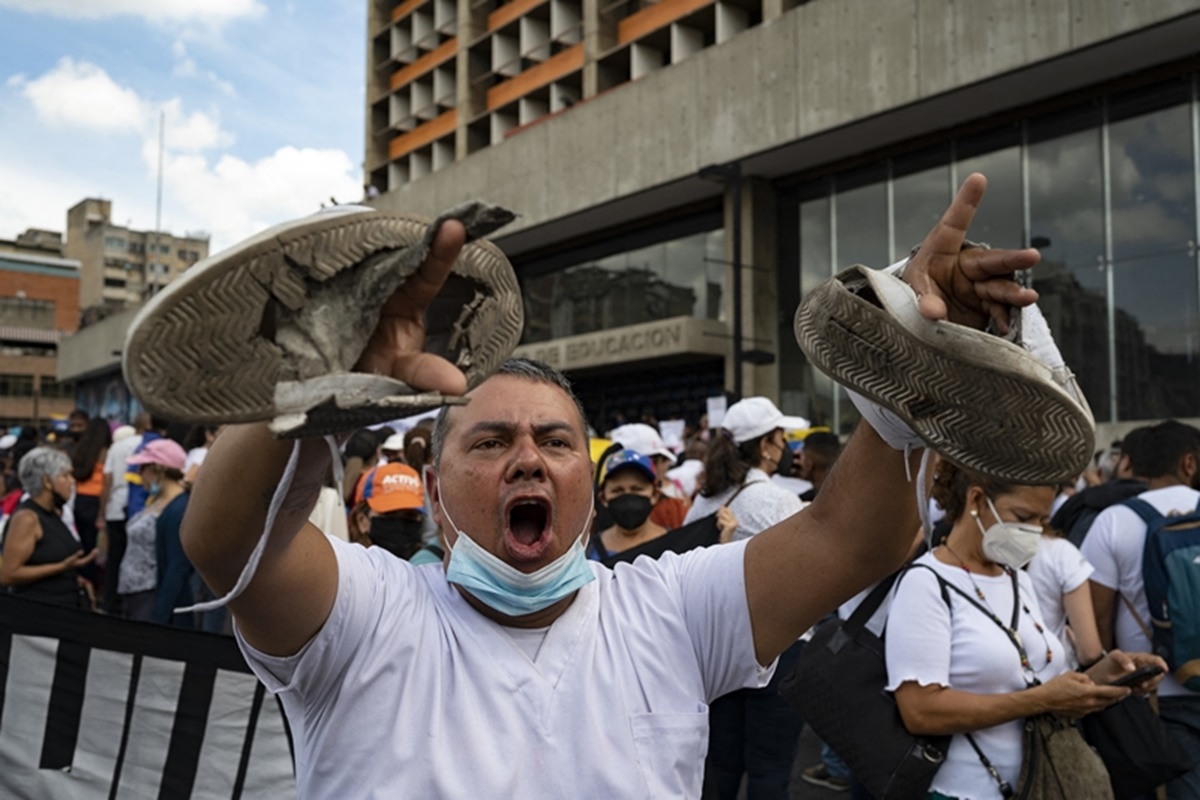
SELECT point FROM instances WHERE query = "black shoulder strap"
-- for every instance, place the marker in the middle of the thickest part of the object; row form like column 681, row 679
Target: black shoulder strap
column 871, row 603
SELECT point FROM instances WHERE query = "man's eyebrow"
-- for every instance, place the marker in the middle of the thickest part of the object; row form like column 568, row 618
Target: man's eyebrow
column 491, row 426
column 547, row 428
column 503, row 428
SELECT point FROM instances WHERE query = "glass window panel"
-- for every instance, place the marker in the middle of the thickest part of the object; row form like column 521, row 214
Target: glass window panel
column 815, row 246
column 918, row 201
column 862, row 221
column 1067, row 212
column 1001, row 216
column 812, row 397
column 682, row 277
column 1153, row 222
column 1158, row 337
column 1153, row 184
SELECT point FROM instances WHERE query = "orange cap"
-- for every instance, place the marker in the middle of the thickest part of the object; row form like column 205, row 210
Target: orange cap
column 393, row 487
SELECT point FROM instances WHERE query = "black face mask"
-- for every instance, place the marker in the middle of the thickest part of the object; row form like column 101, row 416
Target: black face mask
column 60, row 502
column 630, row 511
column 785, row 461
column 400, row 537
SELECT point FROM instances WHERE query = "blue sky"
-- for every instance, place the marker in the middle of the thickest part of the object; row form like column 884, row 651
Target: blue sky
column 263, row 102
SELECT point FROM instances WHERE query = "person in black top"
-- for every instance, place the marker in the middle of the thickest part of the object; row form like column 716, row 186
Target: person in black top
column 41, row 555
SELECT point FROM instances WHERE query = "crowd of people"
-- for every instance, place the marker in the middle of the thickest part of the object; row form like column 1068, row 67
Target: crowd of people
column 548, row 615
column 93, row 520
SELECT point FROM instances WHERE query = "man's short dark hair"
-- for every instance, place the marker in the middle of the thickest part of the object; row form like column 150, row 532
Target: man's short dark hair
column 1168, row 443
column 79, row 413
column 822, row 448
column 527, row 368
column 1136, row 447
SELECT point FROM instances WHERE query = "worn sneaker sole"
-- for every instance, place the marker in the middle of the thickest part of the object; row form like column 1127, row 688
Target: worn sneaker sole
column 270, row 329
column 982, row 402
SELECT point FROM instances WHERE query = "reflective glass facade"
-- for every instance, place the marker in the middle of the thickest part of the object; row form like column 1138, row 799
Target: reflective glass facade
column 676, row 278
column 1106, row 190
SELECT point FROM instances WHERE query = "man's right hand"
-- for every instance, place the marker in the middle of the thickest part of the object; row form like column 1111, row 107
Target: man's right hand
column 396, row 348
column 295, row 584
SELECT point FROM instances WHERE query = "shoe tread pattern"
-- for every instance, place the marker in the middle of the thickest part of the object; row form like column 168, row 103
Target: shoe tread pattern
column 200, row 358
column 1014, row 429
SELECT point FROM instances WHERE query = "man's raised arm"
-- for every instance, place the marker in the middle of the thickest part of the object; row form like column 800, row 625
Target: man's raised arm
column 859, row 529
column 295, row 584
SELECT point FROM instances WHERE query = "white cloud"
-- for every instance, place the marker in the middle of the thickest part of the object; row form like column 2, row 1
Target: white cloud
column 83, row 95
column 206, row 187
column 155, row 11
column 234, row 198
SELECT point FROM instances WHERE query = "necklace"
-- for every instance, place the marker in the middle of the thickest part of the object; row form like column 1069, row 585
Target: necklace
column 1011, row 631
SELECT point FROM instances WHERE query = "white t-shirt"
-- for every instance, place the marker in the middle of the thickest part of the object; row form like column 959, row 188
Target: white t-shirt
column 195, row 457
column 686, row 474
column 114, row 466
column 407, row 691
column 1057, row 569
column 963, row 649
column 1114, row 547
column 759, row 506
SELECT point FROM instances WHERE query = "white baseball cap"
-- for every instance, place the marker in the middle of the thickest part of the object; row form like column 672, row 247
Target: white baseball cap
column 394, row 443
column 123, row 432
column 641, row 438
column 755, row 416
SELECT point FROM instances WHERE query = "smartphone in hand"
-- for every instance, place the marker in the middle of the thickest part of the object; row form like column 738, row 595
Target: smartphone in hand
column 1138, row 676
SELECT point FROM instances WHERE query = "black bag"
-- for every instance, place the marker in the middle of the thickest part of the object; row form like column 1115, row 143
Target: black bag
column 838, row 687
column 1138, row 750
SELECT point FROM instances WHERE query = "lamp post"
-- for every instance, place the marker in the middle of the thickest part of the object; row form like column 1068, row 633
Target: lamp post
column 731, row 175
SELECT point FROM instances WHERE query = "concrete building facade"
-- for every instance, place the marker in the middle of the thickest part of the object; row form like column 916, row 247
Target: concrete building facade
column 705, row 162
column 122, row 267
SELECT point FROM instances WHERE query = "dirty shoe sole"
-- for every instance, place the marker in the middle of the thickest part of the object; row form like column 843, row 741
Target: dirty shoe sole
column 982, row 402
column 271, row 329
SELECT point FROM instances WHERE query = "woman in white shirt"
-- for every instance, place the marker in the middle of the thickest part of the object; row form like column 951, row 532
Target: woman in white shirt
column 956, row 661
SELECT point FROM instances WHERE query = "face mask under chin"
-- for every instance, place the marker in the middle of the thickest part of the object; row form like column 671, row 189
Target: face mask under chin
column 504, row 588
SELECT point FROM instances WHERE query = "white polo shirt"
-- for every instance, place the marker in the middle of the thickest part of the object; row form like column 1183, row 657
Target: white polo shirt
column 407, row 691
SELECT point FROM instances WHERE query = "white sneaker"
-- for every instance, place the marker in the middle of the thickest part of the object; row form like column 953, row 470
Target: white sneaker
column 271, row 328
column 985, row 403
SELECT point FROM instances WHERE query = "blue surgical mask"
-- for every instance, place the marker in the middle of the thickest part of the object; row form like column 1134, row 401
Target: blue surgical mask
column 504, row 588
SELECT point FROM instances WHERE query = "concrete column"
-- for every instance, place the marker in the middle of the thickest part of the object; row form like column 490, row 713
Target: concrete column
column 599, row 36
column 469, row 101
column 760, row 306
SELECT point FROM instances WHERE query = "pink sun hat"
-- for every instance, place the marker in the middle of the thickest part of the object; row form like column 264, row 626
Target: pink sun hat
column 163, row 452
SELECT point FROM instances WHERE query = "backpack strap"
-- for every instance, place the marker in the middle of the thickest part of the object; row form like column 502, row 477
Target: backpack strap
column 1137, row 617
column 1147, row 512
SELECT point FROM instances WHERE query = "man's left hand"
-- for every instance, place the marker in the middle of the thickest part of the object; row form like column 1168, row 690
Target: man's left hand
column 967, row 286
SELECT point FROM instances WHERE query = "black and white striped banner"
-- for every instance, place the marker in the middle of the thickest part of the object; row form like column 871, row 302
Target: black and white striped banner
column 95, row 708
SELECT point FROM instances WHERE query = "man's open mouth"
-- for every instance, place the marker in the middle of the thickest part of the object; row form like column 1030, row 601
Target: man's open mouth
column 529, row 526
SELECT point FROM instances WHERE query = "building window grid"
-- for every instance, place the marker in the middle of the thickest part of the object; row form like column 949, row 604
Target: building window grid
column 1106, row 258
